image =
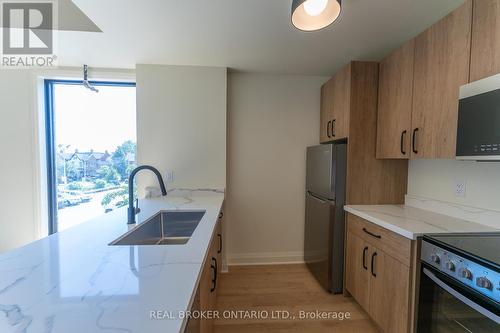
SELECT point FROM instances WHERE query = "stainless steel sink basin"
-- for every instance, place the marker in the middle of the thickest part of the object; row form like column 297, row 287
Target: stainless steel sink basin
column 163, row 228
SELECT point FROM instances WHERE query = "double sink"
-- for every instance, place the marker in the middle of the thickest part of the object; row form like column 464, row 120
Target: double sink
column 163, row 228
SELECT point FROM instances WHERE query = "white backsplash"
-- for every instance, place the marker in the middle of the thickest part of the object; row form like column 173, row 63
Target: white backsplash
column 435, row 184
column 479, row 215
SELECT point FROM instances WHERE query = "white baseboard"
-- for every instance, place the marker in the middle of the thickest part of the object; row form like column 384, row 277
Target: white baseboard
column 265, row 258
column 225, row 267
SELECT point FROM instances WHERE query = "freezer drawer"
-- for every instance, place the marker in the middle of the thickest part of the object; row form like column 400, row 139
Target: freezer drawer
column 323, row 242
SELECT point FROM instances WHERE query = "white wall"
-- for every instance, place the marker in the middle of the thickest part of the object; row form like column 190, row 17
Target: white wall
column 17, row 225
column 23, row 215
column 271, row 121
column 436, row 179
column 181, row 124
column 196, row 95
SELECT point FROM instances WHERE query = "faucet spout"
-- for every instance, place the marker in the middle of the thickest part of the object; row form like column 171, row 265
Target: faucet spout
column 131, row 209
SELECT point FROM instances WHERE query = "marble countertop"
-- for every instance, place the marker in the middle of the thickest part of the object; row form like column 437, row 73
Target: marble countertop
column 412, row 222
column 75, row 282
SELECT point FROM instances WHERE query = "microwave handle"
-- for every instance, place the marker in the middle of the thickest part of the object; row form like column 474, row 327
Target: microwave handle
column 461, row 297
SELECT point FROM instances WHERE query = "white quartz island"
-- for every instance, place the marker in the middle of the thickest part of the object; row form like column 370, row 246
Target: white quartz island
column 74, row 282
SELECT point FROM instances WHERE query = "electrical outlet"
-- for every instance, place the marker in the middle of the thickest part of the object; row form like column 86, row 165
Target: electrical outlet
column 169, row 176
column 460, row 189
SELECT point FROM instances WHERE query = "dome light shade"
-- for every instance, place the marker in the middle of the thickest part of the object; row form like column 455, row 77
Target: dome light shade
column 315, row 7
column 311, row 15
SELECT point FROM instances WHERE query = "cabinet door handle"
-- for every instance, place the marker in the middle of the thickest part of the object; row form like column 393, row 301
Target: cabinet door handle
column 221, row 215
column 328, row 128
column 414, row 141
column 334, row 127
column 365, row 250
column 214, row 271
column 220, row 243
column 403, row 135
column 373, row 259
column 212, row 267
column 371, row 234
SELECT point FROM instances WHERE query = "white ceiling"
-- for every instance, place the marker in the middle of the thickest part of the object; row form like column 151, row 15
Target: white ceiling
column 245, row 35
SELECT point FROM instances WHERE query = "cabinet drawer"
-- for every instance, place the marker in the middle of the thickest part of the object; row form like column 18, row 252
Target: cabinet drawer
column 391, row 243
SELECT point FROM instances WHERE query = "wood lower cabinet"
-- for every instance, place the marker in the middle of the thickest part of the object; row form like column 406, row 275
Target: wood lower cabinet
column 206, row 295
column 389, row 292
column 208, row 282
column 221, row 244
column 357, row 273
column 219, row 247
column 485, row 49
column 378, row 279
column 194, row 324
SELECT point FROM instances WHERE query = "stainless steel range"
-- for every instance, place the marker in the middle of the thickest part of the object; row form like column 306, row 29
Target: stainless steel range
column 460, row 283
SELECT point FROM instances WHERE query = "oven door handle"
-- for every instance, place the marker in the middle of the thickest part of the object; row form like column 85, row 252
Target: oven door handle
column 461, row 297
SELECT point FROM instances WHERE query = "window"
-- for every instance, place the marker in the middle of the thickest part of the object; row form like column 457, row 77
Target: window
column 91, row 149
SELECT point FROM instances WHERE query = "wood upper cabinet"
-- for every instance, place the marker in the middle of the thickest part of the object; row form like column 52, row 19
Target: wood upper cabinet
column 419, row 83
column 326, row 112
column 395, row 103
column 485, row 50
column 341, row 102
column 442, row 55
column 325, row 115
column 335, row 105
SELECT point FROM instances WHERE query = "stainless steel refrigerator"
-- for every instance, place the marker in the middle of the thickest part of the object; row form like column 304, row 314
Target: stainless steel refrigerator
column 324, row 218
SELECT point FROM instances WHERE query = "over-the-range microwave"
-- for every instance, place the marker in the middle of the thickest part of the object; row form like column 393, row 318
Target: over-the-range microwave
column 478, row 133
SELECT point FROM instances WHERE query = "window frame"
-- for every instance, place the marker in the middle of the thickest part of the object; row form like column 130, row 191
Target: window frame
column 51, row 190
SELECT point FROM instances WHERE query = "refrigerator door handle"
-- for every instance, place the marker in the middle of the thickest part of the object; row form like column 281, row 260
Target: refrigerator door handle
column 318, row 198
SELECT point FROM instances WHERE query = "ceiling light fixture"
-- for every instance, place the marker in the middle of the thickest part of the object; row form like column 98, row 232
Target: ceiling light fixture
column 311, row 15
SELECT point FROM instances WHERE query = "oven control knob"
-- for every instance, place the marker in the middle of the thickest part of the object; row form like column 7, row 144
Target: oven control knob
column 435, row 258
column 450, row 266
column 466, row 274
column 483, row 282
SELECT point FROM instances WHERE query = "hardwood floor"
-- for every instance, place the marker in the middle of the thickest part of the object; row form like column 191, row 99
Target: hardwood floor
column 283, row 288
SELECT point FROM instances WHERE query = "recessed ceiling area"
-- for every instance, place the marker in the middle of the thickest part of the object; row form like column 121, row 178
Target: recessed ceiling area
column 244, row 35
